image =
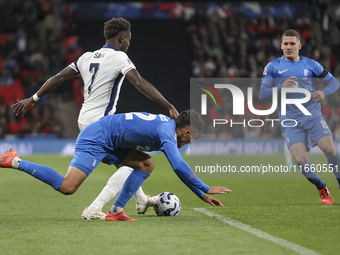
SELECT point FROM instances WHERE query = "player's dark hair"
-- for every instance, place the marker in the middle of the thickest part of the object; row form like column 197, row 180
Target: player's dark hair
column 114, row 26
column 291, row 32
column 190, row 118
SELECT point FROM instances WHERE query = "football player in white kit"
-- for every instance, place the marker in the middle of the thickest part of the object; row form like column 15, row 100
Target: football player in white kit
column 103, row 72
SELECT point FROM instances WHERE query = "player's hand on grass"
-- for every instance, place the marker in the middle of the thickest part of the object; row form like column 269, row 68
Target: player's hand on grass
column 22, row 105
column 289, row 83
column 173, row 113
column 318, row 95
column 212, row 201
column 218, row 190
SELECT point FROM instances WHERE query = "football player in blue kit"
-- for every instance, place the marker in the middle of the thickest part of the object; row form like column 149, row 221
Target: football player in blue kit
column 103, row 72
column 295, row 71
column 124, row 137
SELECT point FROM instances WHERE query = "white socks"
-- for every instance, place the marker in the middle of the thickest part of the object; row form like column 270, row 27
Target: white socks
column 140, row 196
column 115, row 209
column 15, row 162
column 113, row 186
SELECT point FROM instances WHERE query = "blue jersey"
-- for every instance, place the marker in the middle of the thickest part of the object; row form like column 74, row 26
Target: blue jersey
column 139, row 131
column 306, row 70
column 149, row 132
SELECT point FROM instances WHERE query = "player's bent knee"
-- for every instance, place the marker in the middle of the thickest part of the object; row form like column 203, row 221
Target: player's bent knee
column 139, row 160
column 148, row 165
column 330, row 152
column 67, row 190
column 301, row 160
column 72, row 180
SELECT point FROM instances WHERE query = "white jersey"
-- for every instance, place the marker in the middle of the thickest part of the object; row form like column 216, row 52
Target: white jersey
column 103, row 72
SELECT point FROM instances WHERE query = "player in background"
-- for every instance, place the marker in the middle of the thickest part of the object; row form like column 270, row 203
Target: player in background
column 118, row 136
column 292, row 70
column 103, row 72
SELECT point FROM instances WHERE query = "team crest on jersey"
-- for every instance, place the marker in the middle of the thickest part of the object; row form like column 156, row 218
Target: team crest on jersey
column 130, row 62
column 265, row 71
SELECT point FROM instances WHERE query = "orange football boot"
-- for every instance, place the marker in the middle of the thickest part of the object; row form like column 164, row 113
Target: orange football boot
column 325, row 196
column 6, row 159
column 122, row 216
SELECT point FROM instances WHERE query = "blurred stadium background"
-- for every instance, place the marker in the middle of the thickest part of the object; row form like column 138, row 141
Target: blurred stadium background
column 171, row 43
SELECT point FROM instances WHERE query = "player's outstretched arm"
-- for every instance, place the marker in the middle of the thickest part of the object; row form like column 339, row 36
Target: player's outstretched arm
column 66, row 74
column 150, row 91
column 215, row 190
column 212, row 201
column 189, row 178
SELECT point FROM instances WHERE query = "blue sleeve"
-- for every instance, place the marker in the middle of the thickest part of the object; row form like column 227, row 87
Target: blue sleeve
column 267, row 82
column 266, row 89
column 332, row 84
column 183, row 170
column 316, row 67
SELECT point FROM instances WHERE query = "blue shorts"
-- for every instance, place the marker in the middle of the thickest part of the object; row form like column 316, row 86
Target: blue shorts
column 90, row 149
column 308, row 131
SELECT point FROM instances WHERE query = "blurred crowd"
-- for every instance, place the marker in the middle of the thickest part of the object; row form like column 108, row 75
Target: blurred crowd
column 228, row 45
column 39, row 37
column 31, row 32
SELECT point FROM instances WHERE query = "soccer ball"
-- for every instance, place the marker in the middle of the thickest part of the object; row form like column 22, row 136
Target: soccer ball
column 167, row 204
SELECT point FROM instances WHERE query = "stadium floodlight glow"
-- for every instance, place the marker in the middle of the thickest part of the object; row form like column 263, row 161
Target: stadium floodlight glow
column 238, row 100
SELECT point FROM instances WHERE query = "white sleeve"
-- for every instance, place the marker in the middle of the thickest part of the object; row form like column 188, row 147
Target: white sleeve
column 123, row 63
column 75, row 65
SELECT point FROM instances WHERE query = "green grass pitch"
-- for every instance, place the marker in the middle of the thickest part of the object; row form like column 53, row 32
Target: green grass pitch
column 35, row 219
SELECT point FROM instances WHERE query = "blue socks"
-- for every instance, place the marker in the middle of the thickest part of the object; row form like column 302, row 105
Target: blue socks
column 43, row 173
column 313, row 178
column 131, row 185
column 334, row 163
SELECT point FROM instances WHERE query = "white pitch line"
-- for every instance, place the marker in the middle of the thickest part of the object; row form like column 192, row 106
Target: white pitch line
column 282, row 242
